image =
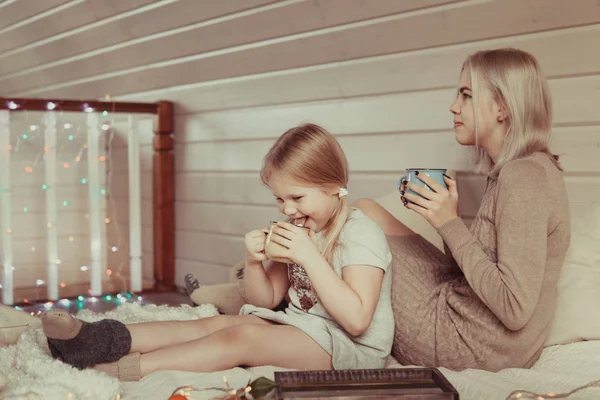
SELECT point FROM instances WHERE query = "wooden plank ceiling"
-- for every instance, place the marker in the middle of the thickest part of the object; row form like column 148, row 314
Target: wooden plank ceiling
column 78, row 49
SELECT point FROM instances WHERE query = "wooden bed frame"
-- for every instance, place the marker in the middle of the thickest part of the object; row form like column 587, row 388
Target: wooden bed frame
column 163, row 171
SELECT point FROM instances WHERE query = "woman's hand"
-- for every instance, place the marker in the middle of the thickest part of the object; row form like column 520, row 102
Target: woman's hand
column 300, row 247
column 438, row 206
column 255, row 246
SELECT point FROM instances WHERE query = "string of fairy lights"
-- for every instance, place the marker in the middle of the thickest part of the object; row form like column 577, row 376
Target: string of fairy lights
column 55, row 154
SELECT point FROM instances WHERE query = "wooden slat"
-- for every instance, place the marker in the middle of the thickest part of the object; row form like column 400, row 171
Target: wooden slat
column 412, row 71
column 16, row 12
column 575, row 102
column 120, row 159
column 78, row 15
column 488, row 20
column 119, row 31
column 210, row 248
column 252, row 28
column 224, row 219
column 30, row 225
column 385, row 152
column 120, row 186
column 207, row 274
column 70, row 253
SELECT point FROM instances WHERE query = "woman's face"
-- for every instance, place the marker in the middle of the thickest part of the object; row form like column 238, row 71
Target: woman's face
column 464, row 113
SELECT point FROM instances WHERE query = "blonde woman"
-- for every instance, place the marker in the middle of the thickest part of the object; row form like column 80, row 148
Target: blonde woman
column 340, row 313
column 488, row 302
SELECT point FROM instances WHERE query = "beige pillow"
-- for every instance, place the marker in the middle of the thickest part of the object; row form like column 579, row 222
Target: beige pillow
column 577, row 315
column 13, row 323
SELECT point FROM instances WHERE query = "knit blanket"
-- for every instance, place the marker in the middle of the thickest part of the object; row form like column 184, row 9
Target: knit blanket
column 28, row 372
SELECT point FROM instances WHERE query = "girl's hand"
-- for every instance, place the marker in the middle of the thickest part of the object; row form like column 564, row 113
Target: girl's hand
column 300, row 247
column 255, row 246
column 438, row 206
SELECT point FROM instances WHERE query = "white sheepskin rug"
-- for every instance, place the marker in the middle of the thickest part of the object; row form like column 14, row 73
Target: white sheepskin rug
column 27, row 371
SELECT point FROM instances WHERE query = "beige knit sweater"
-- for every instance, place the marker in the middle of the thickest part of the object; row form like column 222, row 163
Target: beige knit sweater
column 495, row 311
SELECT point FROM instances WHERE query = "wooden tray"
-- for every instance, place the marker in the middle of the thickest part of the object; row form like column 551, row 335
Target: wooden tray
column 393, row 383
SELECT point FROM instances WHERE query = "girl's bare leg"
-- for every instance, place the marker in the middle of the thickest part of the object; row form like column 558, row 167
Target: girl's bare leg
column 151, row 336
column 242, row 345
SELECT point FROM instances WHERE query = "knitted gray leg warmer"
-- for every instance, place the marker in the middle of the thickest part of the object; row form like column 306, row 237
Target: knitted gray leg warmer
column 85, row 344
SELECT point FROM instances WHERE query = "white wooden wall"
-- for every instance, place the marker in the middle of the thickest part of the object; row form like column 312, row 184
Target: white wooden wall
column 388, row 112
column 379, row 74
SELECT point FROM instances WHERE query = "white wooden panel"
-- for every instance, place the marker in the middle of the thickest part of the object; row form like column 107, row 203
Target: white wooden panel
column 119, row 157
column 27, row 277
column 15, row 12
column 227, row 188
column 488, row 19
column 147, row 237
column 385, row 152
column 70, row 253
column 407, row 71
column 153, row 21
column 575, row 101
column 223, row 218
column 209, row 248
column 207, row 38
column 80, row 14
column 120, row 185
column 207, row 274
column 245, row 188
column 30, row 225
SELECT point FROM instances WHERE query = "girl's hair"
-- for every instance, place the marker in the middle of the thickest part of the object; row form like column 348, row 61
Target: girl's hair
column 515, row 81
column 309, row 154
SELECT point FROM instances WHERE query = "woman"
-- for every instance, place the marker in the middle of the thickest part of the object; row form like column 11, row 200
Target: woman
column 489, row 301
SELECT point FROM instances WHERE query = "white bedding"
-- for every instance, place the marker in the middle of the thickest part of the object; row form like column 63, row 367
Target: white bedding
column 29, row 369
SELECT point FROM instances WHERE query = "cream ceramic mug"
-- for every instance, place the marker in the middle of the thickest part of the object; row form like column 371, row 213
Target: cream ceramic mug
column 271, row 246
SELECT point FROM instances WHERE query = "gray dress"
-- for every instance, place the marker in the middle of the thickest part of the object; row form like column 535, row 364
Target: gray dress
column 361, row 243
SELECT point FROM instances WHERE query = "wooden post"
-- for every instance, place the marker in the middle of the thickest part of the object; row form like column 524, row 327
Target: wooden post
column 164, row 199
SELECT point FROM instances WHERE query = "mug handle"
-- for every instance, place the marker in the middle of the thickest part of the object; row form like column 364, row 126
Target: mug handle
column 403, row 177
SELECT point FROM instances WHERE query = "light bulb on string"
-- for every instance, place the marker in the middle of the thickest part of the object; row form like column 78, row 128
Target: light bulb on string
column 84, row 181
column 25, row 136
column 33, row 128
column 50, row 106
column 12, row 105
column 25, row 209
column 44, row 186
column 65, row 203
column 68, row 126
column 70, row 137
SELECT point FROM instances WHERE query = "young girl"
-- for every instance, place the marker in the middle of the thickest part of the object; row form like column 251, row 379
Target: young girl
column 489, row 301
column 340, row 313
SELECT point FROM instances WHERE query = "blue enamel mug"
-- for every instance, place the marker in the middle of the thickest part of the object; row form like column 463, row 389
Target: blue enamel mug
column 411, row 176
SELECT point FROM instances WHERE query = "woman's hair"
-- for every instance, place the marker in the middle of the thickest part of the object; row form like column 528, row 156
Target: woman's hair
column 515, row 81
column 308, row 153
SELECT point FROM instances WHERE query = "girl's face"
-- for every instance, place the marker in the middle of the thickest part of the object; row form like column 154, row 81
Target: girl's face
column 464, row 113
column 307, row 205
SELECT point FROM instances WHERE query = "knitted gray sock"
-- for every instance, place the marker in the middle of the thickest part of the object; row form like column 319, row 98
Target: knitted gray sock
column 85, row 344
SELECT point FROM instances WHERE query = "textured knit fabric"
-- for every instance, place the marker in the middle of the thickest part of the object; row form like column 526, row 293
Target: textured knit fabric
column 489, row 302
column 361, row 243
column 87, row 343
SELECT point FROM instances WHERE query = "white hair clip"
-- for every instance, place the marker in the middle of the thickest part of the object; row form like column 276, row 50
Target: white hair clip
column 342, row 192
